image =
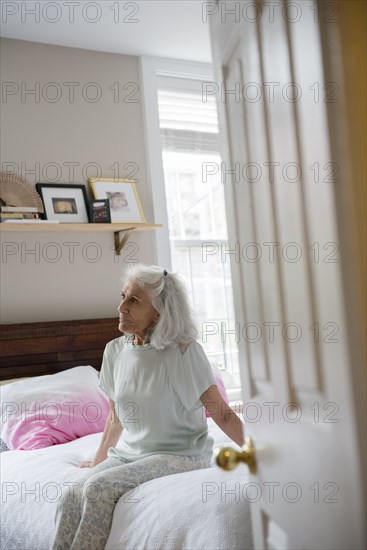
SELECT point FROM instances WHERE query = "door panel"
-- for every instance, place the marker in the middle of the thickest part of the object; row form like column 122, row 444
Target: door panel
column 289, row 204
column 246, row 234
column 262, row 204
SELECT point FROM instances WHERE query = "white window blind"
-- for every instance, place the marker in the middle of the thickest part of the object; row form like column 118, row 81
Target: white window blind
column 187, row 123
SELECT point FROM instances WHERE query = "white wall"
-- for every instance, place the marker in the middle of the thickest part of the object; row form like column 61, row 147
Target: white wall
column 36, row 131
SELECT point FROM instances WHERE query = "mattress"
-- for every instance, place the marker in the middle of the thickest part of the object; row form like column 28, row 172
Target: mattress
column 203, row 509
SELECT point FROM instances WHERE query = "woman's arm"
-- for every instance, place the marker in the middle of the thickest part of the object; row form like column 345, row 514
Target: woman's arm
column 111, row 434
column 223, row 415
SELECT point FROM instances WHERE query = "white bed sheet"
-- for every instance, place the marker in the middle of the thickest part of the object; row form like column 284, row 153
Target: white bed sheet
column 202, row 509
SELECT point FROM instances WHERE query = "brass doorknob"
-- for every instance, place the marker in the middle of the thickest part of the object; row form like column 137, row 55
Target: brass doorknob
column 228, row 458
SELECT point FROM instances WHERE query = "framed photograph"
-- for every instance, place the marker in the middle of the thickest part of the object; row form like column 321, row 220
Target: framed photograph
column 123, row 197
column 63, row 202
column 99, row 211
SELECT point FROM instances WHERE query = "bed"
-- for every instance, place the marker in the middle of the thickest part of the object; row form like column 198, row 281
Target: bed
column 203, row 509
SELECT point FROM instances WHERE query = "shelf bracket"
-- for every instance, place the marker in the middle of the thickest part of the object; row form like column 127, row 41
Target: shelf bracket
column 120, row 243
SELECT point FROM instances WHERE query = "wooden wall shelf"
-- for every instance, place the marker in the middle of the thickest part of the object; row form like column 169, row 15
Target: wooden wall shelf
column 115, row 228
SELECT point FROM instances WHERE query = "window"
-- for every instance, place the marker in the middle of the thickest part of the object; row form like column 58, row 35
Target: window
column 196, row 216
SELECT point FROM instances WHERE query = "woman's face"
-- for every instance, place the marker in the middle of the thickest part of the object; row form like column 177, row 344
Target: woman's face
column 136, row 311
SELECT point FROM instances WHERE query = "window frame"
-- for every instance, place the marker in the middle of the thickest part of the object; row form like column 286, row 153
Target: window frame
column 150, row 68
column 151, row 71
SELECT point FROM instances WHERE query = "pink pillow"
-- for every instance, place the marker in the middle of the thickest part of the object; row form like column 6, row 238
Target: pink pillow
column 53, row 409
column 221, row 387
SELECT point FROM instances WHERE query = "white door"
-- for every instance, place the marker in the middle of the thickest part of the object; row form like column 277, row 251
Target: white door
column 280, row 177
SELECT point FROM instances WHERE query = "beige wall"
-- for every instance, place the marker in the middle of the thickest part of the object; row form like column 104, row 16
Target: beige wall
column 108, row 132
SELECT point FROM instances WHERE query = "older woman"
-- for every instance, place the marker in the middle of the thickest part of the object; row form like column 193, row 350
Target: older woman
column 157, row 378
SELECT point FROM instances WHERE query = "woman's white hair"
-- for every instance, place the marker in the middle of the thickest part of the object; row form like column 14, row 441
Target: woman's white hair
column 169, row 297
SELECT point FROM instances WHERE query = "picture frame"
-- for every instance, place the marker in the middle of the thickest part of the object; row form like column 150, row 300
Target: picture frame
column 125, row 205
column 63, row 202
column 99, row 211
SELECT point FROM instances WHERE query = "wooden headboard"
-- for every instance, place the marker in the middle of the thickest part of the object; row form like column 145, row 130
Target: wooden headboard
column 33, row 349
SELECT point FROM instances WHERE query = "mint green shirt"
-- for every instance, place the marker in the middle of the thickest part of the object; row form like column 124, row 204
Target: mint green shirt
column 157, row 398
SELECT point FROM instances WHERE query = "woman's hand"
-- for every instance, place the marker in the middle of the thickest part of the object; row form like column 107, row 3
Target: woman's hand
column 86, row 464
column 111, row 434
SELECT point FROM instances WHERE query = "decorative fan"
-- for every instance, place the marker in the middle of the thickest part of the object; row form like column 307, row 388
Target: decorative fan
column 16, row 191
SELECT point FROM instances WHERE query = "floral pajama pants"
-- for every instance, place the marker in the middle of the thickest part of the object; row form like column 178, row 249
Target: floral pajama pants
column 84, row 513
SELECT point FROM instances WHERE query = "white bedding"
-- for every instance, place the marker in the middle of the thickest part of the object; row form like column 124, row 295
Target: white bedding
column 202, row 509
